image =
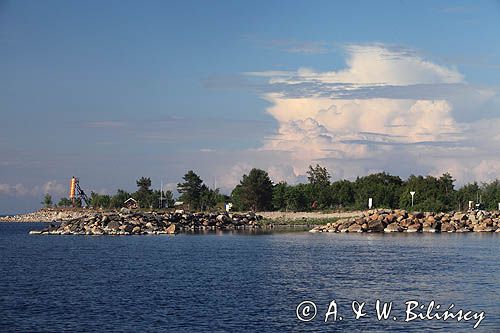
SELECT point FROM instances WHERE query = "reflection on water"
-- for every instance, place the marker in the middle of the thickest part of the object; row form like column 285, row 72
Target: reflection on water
column 234, row 281
column 252, row 231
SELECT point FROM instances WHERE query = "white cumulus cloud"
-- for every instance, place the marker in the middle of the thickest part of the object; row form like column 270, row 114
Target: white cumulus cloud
column 389, row 109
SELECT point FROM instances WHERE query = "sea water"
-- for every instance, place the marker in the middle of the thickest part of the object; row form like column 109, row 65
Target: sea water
column 256, row 282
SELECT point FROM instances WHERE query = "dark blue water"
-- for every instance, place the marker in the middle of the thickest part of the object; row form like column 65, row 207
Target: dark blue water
column 241, row 282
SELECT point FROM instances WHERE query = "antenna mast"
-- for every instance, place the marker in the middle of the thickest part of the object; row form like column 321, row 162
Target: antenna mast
column 161, row 193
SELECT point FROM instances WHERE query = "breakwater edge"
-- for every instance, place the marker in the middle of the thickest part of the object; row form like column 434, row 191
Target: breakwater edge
column 386, row 220
column 130, row 222
column 127, row 222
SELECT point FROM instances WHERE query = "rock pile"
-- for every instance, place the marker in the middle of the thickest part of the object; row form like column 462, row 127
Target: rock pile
column 127, row 222
column 403, row 221
column 45, row 215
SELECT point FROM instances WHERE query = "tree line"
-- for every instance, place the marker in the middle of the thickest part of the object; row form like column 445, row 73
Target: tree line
column 193, row 192
column 145, row 196
column 257, row 192
column 387, row 191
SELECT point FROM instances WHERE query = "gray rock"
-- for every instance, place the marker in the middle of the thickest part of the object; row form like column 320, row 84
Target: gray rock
column 355, row 228
column 114, row 225
column 393, row 227
column 376, row 226
column 447, row 227
column 414, row 227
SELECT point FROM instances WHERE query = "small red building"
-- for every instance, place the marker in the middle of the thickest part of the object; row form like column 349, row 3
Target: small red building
column 131, row 203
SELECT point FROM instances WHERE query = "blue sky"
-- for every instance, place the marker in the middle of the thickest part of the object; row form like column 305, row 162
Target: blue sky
column 111, row 91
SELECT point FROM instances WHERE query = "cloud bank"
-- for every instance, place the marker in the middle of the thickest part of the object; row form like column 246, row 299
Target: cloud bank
column 21, row 190
column 388, row 110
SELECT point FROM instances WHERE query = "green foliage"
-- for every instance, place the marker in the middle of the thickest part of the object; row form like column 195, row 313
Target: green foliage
column 318, row 175
column 119, row 198
column 144, row 184
column 47, row 200
column 99, row 200
column 78, row 203
column 291, row 198
column 342, row 193
column 431, row 193
column 222, row 199
column 318, row 190
column 167, row 199
column 447, row 190
column 383, row 188
column 196, row 194
column 236, row 198
column 191, row 190
column 144, row 194
column 255, row 191
column 296, row 198
column 210, row 198
column 468, row 192
column 490, row 194
column 65, row 202
column 279, row 196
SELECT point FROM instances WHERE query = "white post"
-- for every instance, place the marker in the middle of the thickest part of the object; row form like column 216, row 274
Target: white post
column 412, row 194
column 370, row 203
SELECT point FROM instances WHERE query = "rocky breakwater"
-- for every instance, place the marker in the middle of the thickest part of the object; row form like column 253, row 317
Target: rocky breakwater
column 403, row 221
column 126, row 222
column 45, row 215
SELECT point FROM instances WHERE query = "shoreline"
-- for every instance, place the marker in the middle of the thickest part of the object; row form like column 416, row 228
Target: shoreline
column 47, row 215
column 125, row 221
column 388, row 221
column 65, row 214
